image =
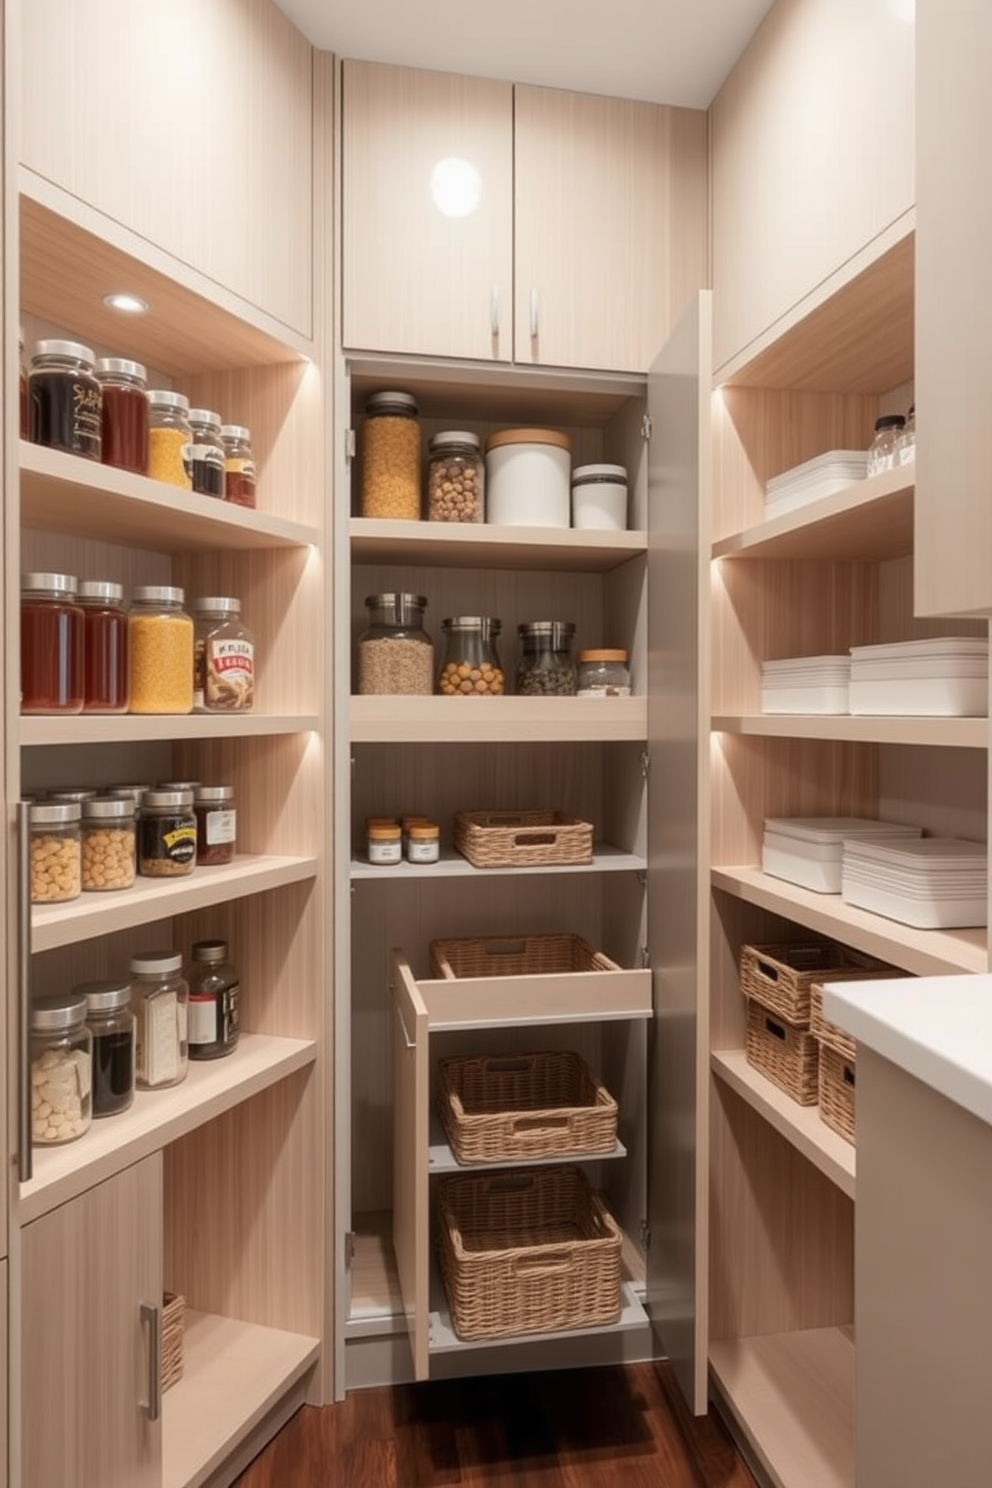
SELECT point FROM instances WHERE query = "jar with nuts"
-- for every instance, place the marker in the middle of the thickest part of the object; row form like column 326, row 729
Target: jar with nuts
column 108, row 847
column 547, row 667
column 470, row 667
column 391, row 457
column 455, row 478
column 61, row 1069
column 55, row 852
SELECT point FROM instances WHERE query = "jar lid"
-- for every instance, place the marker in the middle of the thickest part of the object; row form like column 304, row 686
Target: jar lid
column 104, row 996
column 94, row 590
column 133, row 792
column 109, row 808
column 603, row 654
column 528, row 436
column 424, row 829
column 147, row 963
column 384, row 832
column 166, row 398
column 599, row 473
column 120, row 367
column 454, row 436
column 380, row 821
column 236, row 433
column 890, row 421
column 158, row 594
column 58, row 1011
column 485, row 624
column 210, row 951
column 74, row 349
column 413, row 819
column 205, row 795
column 391, row 402
column 80, row 796
column 166, row 800
column 205, row 416
column 215, row 605
column 44, row 814
column 400, row 604
column 547, row 628
column 174, row 785
column 50, row 583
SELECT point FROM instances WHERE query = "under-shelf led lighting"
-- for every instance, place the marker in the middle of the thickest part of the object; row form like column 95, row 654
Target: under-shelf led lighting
column 128, row 304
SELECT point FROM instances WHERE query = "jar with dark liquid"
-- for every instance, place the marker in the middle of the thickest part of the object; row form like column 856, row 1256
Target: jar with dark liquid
column 105, row 649
column 206, row 453
column 125, row 413
column 111, row 1022
column 65, row 402
column 214, row 993
column 51, row 644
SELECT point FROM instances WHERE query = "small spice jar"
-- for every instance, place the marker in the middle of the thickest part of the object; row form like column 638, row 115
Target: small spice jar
column 55, row 851
column 64, row 399
column 105, row 648
column 470, row 665
column 124, row 418
column 423, row 842
column 160, row 1002
column 160, row 642
column 108, row 844
column 546, row 667
column 385, row 843
column 455, row 478
column 206, row 454
column 883, row 450
column 395, row 654
column 603, row 673
column 61, row 1054
column 110, row 1019
column 223, row 657
column 214, row 996
column 216, row 824
column 167, row 834
column 51, row 645
column 239, row 465
column 169, row 438
column 391, row 457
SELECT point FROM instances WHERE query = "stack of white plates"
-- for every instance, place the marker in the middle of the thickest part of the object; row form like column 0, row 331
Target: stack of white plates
column 945, row 677
column 807, row 850
column 805, row 684
column 821, row 476
column 935, row 883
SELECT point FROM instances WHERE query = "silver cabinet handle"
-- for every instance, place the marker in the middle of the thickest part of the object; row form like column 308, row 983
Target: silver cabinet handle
column 25, row 1163
column 152, row 1315
column 494, row 310
column 533, row 314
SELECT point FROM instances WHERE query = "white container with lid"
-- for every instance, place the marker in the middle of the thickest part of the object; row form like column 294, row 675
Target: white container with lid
column 599, row 497
column 528, row 478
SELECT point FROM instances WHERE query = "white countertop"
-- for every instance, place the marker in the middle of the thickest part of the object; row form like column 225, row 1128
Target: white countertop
column 936, row 1028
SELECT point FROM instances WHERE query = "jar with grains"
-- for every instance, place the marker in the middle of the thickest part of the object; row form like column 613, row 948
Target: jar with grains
column 61, row 1054
column 214, row 996
column 111, row 1022
column 105, row 648
column 206, row 452
column 167, row 834
column 108, row 845
column 160, row 642
column 223, row 657
column 160, row 1001
column 603, row 673
column 55, row 851
column 239, row 465
column 216, row 824
column 391, row 457
column 470, row 665
column 52, row 652
column 546, row 667
column 883, row 450
column 455, row 478
column 64, row 399
column 169, row 438
column 395, row 654
column 124, row 426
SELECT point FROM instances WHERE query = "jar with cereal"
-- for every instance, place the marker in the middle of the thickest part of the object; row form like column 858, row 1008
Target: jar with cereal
column 55, row 851
column 108, row 847
column 61, row 1069
column 455, row 478
column 470, row 666
column 391, row 457
column 395, row 654
column 160, row 641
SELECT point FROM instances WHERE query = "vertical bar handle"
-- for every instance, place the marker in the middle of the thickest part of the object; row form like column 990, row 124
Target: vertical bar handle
column 534, row 308
column 25, row 1164
column 152, row 1315
column 494, row 310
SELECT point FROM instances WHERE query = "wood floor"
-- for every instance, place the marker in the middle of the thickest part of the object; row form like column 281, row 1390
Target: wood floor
column 623, row 1427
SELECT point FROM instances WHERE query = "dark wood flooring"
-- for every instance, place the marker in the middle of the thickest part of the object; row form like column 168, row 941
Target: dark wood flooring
column 623, row 1427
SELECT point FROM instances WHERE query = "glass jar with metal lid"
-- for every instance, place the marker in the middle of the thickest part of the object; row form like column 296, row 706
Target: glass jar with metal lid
column 167, row 834
column 160, row 643
column 169, row 438
column 391, row 457
column 110, row 1019
column 160, row 1001
column 883, row 452
column 108, row 845
column 603, row 673
column 124, row 427
column 546, row 667
column 105, row 647
column 55, row 851
column 223, row 657
column 239, row 465
column 214, row 995
column 216, row 824
column 470, row 666
column 64, row 399
column 52, row 654
column 395, row 653
column 455, row 478
column 206, row 452
column 61, row 1054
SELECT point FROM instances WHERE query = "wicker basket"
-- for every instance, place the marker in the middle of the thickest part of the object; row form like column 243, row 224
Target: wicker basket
column 527, row 1252
column 519, row 1107
column 830, row 1033
column 515, row 955
column 837, row 1091
column 501, row 839
column 173, row 1328
column 788, row 1055
column 780, row 976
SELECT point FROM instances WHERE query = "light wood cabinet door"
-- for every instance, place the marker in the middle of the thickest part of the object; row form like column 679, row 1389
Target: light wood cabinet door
column 610, row 223
column 85, row 1367
column 415, row 279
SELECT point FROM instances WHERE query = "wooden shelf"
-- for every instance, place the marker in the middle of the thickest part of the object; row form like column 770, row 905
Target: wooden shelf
column 792, row 1396
column 153, row 899
column 800, row 1125
column 132, row 728
column 159, row 1117
column 236, row 1378
column 946, row 733
column 454, row 545
column 499, row 720
column 919, row 952
column 605, row 859
column 869, row 520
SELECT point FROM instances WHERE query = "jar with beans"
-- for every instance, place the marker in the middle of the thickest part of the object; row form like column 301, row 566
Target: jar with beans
column 169, row 438
column 160, row 641
column 55, row 855
column 546, row 667
column 167, row 834
column 52, row 656
column 391, row 457
column 61, row 1069
column 111, row 1022
column 470, row 667
column 395, row 654
column 108, row 846
column 455, row 478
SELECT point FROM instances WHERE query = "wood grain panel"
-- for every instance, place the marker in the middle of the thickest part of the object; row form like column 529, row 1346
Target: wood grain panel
column 409, row 1037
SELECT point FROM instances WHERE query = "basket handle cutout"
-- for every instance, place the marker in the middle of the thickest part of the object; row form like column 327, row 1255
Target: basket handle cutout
column 507, row 819
column 505, row 948
column 539, row 1123
column 533, row 838
column 848, row 1076
column 770, row 973
column 508, row 1065
column 560, row 1260
column 510, row 1183
column 775, row 1028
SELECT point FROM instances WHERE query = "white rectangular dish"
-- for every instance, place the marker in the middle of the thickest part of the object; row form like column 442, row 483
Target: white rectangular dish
column 920, row 697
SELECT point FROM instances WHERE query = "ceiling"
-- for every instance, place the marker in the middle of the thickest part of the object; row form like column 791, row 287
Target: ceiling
column 664, row 51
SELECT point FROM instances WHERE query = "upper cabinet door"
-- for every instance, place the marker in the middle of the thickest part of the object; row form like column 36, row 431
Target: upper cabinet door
column 611, row 224
column 427, row 213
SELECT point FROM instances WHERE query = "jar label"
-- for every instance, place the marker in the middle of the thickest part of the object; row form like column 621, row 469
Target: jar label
column 202, row 1020
column 229, row 674
column 235, row 466
column 87, row 417
column 158, row 1039
column 221, row 827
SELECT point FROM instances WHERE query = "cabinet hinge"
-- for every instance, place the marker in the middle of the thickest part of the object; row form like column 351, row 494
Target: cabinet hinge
column 645, row 1236
column 350, row 447
column 645, row 764
column 647, row 426
column 645, row 957
column 349, row 1248
column 642, row 878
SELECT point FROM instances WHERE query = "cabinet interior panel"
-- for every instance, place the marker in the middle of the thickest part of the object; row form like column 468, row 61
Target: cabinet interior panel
column 277, row 785
column 896, row 618
column 943, row 791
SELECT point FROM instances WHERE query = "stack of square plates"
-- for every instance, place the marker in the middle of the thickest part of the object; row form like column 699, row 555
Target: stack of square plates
column 821, row 476
column 935, row 883
column 945, row 677
column 807, row 850
column 805, row 684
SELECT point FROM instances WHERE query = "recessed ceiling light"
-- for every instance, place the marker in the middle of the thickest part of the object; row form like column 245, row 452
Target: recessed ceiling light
column 129, row 304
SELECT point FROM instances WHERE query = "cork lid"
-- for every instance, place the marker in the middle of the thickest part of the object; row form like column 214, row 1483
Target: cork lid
column 528, row 436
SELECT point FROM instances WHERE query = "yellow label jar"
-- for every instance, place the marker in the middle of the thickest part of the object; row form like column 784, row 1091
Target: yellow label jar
column 170, row 439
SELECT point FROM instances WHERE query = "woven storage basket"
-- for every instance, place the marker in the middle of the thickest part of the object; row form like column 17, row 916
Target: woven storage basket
column 515, row 955
column 173, row 1329
column 527, row 1252
column 788, row 1055
column 837, row 1074
column 521, row 1106
column 780, row 976
column 499, row 839
column 830, row 1033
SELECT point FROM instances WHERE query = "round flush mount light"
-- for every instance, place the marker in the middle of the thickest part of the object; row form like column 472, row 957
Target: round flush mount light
column 127, row 304
column 456, row 187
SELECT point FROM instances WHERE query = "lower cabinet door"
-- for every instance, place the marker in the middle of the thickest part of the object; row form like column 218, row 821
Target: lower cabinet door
column 92, row 1273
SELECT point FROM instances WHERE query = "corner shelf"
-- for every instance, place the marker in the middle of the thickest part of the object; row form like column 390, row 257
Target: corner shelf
column 132, row 728
column 605, row 859
column 942, row 733
column 502, row 720
column 482, row 545
column 868, row 520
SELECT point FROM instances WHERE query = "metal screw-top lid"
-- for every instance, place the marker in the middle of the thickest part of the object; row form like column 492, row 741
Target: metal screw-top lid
column 109, row 808
column 165, row 398
column 74, row 349
column 104, row 996
column 555, row 630
column 486, row 625
column 72, row 795
column 211, row 951
column 454, row 436
column 94, row 591
column 108, row 367
column 205, row 416
column 167, row 800
column 166, row 594
column 64, row 814
column 152, row 963
column 49, row 583
column 392, row 402
column 208, row 795
column 399, row 609
column 235, row 434
column 174, row 785
column 132, row 792
column 214, row 605
column 57, row 1012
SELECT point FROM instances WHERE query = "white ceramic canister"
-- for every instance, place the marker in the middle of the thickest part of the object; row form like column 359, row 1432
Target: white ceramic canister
column 599, row 497
column 528, row 475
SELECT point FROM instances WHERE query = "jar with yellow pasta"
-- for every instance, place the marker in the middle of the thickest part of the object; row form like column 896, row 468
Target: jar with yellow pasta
column 391, row 457
column 160, row 643
column 170, row 439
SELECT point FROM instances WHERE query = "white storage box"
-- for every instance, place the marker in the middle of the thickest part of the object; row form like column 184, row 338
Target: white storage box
column 935, row 883
column 942, row 677
column 808, row 850
column 528, row 478
column 821, row 476
column 805, row 684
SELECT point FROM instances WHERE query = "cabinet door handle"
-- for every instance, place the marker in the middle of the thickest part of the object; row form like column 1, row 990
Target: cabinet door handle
column 25, row 1163
column 494, row 311
column 533, row 314
column 152, row 1315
